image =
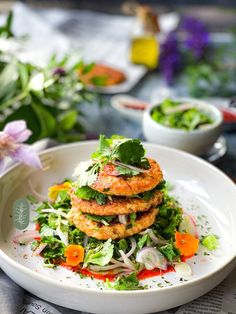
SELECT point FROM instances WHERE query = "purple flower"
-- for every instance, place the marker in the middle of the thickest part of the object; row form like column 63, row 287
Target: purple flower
column 170, row 59
column 197, row 37
column 59, row 72
column 11, row 139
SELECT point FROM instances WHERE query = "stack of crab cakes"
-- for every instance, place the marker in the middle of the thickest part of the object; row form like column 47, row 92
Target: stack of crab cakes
column 129, row 203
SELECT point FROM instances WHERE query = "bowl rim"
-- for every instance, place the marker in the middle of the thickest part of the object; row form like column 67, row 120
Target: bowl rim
column 216, row 112
column 37, row 276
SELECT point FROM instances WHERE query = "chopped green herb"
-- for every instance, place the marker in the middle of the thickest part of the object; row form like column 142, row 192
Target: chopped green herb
column 129, row 282
column 211, row 242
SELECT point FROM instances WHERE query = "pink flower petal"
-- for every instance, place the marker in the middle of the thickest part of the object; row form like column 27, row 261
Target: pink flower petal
column 26, row 155
column 18, row 130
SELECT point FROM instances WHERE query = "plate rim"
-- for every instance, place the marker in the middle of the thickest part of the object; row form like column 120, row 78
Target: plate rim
column 55, row 283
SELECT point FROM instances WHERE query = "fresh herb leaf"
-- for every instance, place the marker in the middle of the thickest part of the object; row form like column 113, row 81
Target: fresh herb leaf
column 126, row 171
column 45, row 231
column 129, row 282
column 169, row 217
column 169, row 251
column 103, row 219
column 129, row 151
column 123, row 245
column 87, row 193
column 210, row 242
column 143, row 240
column 132, row 218
column 100, row 255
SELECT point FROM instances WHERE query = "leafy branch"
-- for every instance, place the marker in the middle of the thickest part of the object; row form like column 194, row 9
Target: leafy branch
column 46, row 98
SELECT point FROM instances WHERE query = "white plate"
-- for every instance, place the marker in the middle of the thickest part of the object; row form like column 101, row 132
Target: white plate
column 202, row 190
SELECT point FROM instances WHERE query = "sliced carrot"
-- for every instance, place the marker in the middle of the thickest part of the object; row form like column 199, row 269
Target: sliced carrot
column 74, row 254
column 186, row 243
column 55, row 189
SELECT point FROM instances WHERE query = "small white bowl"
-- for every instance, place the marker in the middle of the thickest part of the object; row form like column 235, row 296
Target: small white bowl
column 117, row 102
column 195, row 141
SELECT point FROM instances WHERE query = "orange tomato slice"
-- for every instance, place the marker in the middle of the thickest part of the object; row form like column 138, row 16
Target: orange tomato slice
column 186, row 243
column 74, row 254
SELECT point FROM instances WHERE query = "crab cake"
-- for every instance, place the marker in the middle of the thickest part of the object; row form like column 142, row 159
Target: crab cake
column 114, row 230
column 116, row 205
column 128, row 186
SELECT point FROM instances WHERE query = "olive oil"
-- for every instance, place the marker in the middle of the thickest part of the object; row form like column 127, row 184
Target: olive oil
column 145, row 50
column 144, row 47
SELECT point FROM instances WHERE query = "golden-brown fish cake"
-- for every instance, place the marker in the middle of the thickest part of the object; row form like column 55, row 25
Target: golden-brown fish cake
column 116, row 206
column 127, row 186
column 113, row 231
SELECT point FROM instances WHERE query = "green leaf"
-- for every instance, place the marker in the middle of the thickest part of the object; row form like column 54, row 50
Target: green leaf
column 99, row 80
column 123, row 245
column 86, row 193
column 101, row 255
column 47, row 121
column 8, row 78
column 211, row 242
column 23, row 75
column 67, row 120
column 143, row 240
column 104, row 149
column 126, row 171
column 129, row 282
column 45, row 230
column 103, row 219
column 9, row 24
column 87, row 68
column 129, row 152
column 169, row 251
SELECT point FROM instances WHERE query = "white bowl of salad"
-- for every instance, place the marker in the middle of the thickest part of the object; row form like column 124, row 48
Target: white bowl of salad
column 184, row 123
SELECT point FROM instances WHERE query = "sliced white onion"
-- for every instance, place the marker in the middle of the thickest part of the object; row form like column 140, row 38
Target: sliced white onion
column 39, row 196
column 118, row 270
column 103, row 268
column 126, row 260
column 183, row 269
column 121, row 264
column 118, row 163
column 133, row 247
column 40, row 248
column 85, row 240
column 188, row 225
column 54, row 211
column 151, row 258
column 26, row 237
column 123, row 219
column 131, row 251
column 62, row 235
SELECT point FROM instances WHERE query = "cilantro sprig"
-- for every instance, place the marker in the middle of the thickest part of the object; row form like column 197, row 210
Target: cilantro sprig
column 127, row 155
column 119, row 148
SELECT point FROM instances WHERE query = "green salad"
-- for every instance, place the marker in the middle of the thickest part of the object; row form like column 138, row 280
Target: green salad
column 180, row 115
